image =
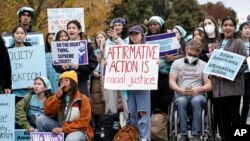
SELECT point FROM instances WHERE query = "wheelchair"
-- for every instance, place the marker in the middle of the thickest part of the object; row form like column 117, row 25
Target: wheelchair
column 207, row 132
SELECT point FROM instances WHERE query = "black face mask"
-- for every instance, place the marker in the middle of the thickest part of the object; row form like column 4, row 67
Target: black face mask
column 187, row 62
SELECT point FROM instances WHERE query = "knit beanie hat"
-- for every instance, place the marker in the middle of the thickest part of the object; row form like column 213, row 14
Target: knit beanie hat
column 181, row 30
column 69, row 74
column 158, row 19
column 46, row 81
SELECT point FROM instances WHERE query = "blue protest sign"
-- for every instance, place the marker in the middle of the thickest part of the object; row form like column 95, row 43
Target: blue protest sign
column 224, row 64
column 71, row 52
column 168, row 42
column 22, row 135
column 27, row 63
column 35, row 38
column 7, row 117
column 46, row 136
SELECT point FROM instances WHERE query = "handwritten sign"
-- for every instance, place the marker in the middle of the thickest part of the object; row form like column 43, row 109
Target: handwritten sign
column 46, row 136
column 52, row 75
column 27, row 63
column 168, row 42
column 58, row 18
column 22, row 135
column 35, row 38
column 70, row 52
column 131, row 67
column 224, row 64
column 7, row 117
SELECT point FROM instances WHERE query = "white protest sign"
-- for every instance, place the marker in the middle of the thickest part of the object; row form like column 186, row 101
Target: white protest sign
column 224, row 64
column 58, row 18
column 131, row 67
column 7, row 117
column 27, row 63
column 75, row 52
column 35, row 38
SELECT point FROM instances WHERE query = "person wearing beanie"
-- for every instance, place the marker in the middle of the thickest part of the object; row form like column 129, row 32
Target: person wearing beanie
column 67, row 111
column 162, row 97
column 139, row 100
column 117, row 35
column 32, row 105
column 26, row 15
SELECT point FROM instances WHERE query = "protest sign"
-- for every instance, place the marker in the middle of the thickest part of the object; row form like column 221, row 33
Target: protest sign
column 58, row 18
column 7, row 117
column 52, row 75
column 22, row 135
column 168, row 42
column 27, row 63
column 131, row 67
column 46, row 136
column 35, row 38
column 224, row 64
column 75, row 52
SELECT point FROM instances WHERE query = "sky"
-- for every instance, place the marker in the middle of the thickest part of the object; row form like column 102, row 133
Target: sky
column 241, row 7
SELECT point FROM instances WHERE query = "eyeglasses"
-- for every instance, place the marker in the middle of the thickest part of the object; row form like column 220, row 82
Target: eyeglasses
column 189, row 54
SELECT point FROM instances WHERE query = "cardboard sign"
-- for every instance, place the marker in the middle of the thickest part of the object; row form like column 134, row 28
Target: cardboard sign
column 168, row 42
column 131, row 67
column 22, row 135
column 224, row 64
column 75, row 52
column 7, row 117
column 58, row 18
column 27, row 63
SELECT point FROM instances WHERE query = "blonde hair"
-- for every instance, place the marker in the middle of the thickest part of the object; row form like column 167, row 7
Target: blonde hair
column 196, row 45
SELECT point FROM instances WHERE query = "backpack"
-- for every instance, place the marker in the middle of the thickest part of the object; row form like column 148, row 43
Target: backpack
column 159, row 121
column 106, row 127
column 127, row 133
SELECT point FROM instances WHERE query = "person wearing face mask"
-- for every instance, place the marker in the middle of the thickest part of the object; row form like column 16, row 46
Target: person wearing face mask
column 190, row 85
column 211, row 37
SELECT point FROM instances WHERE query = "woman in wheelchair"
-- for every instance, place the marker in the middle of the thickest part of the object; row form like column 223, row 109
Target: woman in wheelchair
column 190, row 85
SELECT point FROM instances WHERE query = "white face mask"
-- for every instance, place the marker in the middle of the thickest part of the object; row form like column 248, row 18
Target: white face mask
column 210, row 29
column 191, row 59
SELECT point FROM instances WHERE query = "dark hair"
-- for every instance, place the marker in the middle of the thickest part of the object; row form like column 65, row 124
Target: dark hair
column 234, row 23
column 78, row 24
column 202, row 33
column 57, row 36
column 163, row 30
column 143, row 40
column 241, row 27
column 73, row 91
column 124, row 33
column 182, row 43
column 2, row 42
column 16, row 27
column 47, row 44
column 217, row 33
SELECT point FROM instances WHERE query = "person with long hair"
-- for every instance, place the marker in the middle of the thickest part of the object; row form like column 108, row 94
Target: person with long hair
column 48, row 40
column 244, row 33
column 67, row 111
column 226, row 93
column 74, row 30
column 5, row 71
column 139, row 100
column 32, row 105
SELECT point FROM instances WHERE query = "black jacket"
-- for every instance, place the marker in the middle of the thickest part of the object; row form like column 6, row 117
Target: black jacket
column 5, row 67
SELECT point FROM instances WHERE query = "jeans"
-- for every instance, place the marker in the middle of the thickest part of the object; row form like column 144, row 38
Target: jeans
column 46, row 124
column 197, row 103
column 139, row 101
